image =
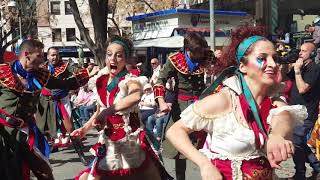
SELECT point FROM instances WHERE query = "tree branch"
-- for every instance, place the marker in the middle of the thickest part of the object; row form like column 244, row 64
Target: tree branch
column 116, row 25
column 6, row 35
column 83, row 31
column 148, row 4
column 12, row 41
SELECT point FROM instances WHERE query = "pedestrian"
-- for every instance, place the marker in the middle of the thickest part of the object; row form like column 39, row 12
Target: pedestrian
column 187, row 68
column 305, row 75
column 122, row 151
column 242, row 118
column 22, row 145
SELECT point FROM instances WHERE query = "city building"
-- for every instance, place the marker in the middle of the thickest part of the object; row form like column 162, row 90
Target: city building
column 160, row 33
column 56, row 25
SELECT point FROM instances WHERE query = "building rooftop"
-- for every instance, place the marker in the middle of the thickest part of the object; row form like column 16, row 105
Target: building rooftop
column 192, row 11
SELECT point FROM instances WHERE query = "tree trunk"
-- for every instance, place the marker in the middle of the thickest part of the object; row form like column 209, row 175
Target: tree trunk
column 2, row 55
column 99, row 57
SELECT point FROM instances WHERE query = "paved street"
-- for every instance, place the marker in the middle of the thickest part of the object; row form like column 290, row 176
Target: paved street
column 66, row 164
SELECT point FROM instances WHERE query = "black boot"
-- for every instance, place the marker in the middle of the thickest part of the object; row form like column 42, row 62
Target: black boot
column 78, row 147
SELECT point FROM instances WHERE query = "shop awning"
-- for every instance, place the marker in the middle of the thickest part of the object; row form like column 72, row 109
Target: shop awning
column 192, row 11
column 174, row 42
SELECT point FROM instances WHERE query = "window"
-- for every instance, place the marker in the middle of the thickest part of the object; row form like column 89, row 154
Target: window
column 56, row 35
column 71, row 34
column 67, row 8
column 55, row 7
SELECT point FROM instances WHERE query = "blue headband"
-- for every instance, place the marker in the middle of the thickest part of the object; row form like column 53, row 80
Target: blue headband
column 124, row 45
column 245, row 44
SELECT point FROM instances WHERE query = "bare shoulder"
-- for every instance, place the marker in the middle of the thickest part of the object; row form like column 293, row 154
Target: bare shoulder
column 216, row 103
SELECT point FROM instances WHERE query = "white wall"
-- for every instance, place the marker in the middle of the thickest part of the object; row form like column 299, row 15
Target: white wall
column 303, row 21
column 63, row 21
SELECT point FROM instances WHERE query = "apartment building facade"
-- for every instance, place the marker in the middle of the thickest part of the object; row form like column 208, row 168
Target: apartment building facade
column 56, row 25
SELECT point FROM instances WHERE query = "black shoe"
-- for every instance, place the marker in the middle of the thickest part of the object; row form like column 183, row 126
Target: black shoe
column 78, row 147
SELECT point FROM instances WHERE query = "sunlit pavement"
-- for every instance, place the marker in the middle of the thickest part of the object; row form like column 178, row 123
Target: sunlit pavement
column 66, row 164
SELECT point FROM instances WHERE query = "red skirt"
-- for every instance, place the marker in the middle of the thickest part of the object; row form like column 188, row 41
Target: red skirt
column 257, row 169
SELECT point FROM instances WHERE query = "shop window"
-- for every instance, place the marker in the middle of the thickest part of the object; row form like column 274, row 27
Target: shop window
column 56, row 35
column 55, row 7
column 71, row 34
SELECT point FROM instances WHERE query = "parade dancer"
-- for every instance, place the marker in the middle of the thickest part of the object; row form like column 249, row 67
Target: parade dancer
column 54, row 108
column 187, row 68
column 243, row 119
column 123, row 150
column 22, row 145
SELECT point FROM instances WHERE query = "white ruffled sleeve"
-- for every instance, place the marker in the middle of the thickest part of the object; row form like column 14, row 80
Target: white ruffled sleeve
column 123, row 90
column 298, row 112
column 196, row 121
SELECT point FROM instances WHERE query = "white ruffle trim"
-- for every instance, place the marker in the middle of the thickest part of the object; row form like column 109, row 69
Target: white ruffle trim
column 193, row 119
column 298, row 112
column 123, row 90
column 92, row 81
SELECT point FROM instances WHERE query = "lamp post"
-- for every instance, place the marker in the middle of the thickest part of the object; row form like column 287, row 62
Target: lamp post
column 212, row 25
column 13, row 4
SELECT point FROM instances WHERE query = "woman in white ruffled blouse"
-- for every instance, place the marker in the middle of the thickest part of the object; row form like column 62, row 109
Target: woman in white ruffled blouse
column 123, row 150
column 248, row 129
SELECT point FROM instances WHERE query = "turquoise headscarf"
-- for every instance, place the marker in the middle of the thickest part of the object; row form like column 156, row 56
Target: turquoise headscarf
column 124, row 45
column 241, row 51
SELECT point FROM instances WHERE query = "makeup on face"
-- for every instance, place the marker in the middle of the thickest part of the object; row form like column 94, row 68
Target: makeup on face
column 261, row 62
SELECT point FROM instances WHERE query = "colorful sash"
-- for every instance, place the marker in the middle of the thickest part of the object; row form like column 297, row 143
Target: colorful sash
column 32, row 82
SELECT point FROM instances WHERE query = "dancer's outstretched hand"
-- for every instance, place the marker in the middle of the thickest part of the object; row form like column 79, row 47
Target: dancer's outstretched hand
column 98, row 124
column 81, row 132
column 278, row 150
column 209, row 172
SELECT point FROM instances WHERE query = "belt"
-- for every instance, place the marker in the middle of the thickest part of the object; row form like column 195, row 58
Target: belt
column 185, row 95
column 10, row 121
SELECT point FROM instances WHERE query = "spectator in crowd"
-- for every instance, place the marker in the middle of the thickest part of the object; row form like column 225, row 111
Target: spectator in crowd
column 306, row 77
column 282, row 36
column 147, row 105
column 160, row 119
column 218, row 54
column 239, row 117
column 86, row 62
column 209, row 75
column 155, row 65
column 139, row 68
column 83, row 100
column 315, row 31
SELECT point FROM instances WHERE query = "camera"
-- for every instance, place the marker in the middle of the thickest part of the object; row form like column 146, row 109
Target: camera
column 288, row 57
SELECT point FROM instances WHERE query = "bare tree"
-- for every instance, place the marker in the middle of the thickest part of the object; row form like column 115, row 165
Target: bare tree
column 9, row 26
column 99, row 15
